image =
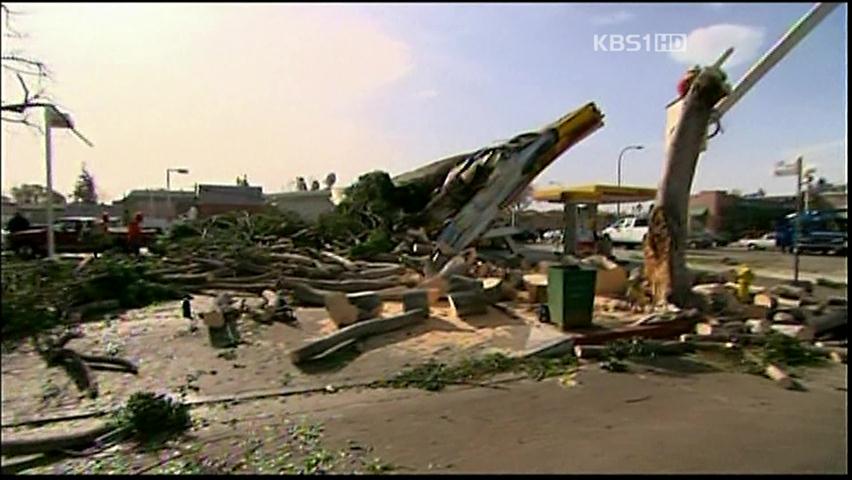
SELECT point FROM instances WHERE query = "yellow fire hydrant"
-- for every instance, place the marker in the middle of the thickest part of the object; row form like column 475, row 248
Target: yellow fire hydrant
column 744, row 279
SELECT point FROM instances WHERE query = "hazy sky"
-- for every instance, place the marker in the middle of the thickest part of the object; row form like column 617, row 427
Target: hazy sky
column 276, row 91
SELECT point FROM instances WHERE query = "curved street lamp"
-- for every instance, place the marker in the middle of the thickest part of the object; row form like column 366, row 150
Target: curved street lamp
column 620, row 157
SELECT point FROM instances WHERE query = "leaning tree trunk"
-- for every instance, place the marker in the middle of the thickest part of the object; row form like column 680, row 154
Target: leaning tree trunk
column 665, row 255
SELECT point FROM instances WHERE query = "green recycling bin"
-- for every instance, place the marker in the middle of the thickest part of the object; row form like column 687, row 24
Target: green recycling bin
column 571, row 295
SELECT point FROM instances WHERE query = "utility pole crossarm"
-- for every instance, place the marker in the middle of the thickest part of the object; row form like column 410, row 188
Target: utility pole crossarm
column 793, row 36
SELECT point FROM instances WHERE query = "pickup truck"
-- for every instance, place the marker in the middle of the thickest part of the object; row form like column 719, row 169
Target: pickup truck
column 823, row 242
column 627, row 232
column 68, row 237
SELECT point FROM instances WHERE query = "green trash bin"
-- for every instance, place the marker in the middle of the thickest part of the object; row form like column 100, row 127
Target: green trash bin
column 571, row 295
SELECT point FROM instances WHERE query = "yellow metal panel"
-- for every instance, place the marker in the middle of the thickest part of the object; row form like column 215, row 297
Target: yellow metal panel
column 594, row 194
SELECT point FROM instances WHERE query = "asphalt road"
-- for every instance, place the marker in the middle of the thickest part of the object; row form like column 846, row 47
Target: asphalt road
column 766, row 263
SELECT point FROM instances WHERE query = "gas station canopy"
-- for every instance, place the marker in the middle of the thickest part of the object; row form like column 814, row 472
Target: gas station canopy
column 596, row 194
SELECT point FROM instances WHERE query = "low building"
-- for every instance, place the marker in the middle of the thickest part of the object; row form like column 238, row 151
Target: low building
column 308, row 205
column 159, row 207
column 217, row 199
column 724, row 213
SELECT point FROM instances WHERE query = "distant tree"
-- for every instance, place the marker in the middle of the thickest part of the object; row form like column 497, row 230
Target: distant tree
column 242, row 182
column 301, row 185
column 29, row 72
column 330, row 180
column 315, row 185
column 34, row 194
column 84, row 189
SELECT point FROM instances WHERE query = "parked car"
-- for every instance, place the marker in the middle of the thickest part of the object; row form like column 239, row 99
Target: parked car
column 553, row 236
column 764, row 242
column 628, row 232
column 69, row 237
column 700, row 240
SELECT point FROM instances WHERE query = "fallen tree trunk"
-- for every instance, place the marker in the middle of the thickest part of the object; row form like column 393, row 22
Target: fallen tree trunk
column 348, row 286
column 27, row 446
column 256, row 288
column 294, row 258
column 122, row 363
column 308, row 296
column 77, row 369
column 665, row 245
column 187, row 278
column 334, row 258
column 684, row 322
column 374, row 273
column 353, row 332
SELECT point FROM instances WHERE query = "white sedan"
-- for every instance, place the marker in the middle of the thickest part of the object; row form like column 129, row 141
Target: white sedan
column 764, row 242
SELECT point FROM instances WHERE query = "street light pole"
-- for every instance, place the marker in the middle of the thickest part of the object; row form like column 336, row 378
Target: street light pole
column 798, row 230
column 48, row 154
column 169, row 184
column 620, row 157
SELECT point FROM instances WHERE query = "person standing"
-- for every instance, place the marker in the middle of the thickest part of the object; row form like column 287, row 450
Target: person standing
column 134, row 234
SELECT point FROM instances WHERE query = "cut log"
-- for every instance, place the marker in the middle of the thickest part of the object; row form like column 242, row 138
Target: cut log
column 799, row 332
column 789, row 316
column 789, row 291
column 589, row 352
column 187, row 278
column 766, row 300
column 122, row 363
column 347, row 309
column 742, row 339
column 780, row 377
column 468, row 303
column 553, row 348
column 348, row 286
column 416, row 300
column 837, row 302
column 374, row 273
column 834, row 319
column 255, row 288
column 536, row 285
column 334, row 258
column 494, row 290
column 359, row 330
column 460, row 283
column 293, row 258
column 718, row 298
column 309, row 296
column 758, row 326
column 730, row 328
column 342, row 312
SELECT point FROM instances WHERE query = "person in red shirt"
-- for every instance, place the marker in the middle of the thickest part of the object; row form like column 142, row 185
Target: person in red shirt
column 134, row 234
column 686, row 82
